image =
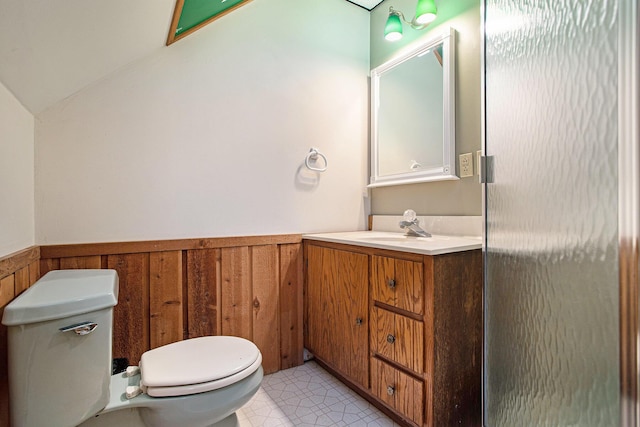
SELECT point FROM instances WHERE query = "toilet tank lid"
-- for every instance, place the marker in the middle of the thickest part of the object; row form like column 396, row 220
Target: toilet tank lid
column 63, row 293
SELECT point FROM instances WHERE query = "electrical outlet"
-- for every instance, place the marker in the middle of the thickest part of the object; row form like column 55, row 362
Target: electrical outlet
column 466, row 165
column 478, row 161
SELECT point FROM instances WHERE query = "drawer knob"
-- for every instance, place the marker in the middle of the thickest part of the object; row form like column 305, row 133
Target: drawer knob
column 391, row 339
column 358, row 321
column 390, row 390
column 391, row 283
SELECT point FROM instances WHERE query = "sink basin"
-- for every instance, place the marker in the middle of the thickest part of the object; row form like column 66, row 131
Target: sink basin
column 435, row 245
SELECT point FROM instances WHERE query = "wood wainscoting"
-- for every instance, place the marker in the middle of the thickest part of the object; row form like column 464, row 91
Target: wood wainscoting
column 172, row 290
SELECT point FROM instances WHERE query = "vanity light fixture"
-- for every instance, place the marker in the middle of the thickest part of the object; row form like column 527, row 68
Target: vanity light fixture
column 425, row 14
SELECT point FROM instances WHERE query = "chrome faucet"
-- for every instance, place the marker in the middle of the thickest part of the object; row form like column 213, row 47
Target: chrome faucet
column 411, row 224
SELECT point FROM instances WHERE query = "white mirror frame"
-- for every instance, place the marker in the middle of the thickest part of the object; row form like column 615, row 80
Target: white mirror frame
column 448, row 169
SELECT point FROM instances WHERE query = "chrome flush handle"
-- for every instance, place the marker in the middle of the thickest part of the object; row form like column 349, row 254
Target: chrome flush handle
column 84, row 328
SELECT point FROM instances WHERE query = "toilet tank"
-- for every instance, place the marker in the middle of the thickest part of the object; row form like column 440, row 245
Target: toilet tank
column 59, row 344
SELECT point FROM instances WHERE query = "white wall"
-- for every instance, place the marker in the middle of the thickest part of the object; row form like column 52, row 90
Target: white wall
column 16, row 175
column 51, row 49
column 208, row 136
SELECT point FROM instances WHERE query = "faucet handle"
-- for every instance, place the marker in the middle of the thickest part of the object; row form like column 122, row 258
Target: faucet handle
column 409, row 215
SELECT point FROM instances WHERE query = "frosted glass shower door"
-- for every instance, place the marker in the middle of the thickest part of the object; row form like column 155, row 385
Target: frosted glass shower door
column 551, row 313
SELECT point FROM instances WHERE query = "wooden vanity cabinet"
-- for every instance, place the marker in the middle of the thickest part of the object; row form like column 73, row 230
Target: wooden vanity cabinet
column 402, row 329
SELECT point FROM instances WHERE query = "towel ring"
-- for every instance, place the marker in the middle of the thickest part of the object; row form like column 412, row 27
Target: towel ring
column 313, row 156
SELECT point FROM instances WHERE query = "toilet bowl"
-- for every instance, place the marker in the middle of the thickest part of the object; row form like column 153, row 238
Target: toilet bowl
column 60, row 335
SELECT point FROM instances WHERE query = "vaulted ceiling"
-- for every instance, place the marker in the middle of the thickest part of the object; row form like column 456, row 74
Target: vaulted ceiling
column 367, row 4
column 50, row 49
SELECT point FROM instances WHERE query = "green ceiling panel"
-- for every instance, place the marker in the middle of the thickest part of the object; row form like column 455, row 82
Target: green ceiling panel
column 190, row 15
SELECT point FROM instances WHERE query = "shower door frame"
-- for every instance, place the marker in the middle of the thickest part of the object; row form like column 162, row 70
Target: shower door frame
column 629, row 207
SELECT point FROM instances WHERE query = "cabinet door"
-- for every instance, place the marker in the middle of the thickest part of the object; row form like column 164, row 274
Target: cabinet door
column 337, row 298
column 398, row 283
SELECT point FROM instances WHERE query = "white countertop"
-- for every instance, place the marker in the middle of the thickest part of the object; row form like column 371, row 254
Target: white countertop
column 435, row 245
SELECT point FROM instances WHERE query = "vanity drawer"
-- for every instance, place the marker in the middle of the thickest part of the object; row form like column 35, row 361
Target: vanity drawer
column 398, row 283
column 398, row 338
column 402, row 392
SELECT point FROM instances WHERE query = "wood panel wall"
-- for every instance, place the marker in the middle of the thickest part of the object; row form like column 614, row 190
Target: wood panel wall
column 18, row 271
column 172, row 290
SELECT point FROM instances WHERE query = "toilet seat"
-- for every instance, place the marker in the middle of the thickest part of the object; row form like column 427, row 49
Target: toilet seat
column 197, row 365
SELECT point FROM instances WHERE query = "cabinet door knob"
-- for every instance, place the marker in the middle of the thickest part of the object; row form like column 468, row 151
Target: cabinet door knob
column 358, row 321
column 391, row 339
column 391, row 390
column 392, row 283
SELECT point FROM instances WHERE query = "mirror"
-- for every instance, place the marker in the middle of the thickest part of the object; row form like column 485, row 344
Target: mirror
column 413, row 115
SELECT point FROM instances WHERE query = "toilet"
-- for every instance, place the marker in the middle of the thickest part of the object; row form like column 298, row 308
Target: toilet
column 60, row 362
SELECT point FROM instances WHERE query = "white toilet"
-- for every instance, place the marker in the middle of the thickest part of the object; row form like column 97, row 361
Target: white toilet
column 60, row 335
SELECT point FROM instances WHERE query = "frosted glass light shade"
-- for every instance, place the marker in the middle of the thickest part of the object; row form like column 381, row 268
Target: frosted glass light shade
column 426, row 12
column 393, row 28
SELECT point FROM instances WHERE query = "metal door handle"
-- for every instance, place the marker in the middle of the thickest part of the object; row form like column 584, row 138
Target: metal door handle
column 391, row 283
column 391, row 339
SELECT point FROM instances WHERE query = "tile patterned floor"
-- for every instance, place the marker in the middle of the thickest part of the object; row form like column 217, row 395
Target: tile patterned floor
column 308, row 396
